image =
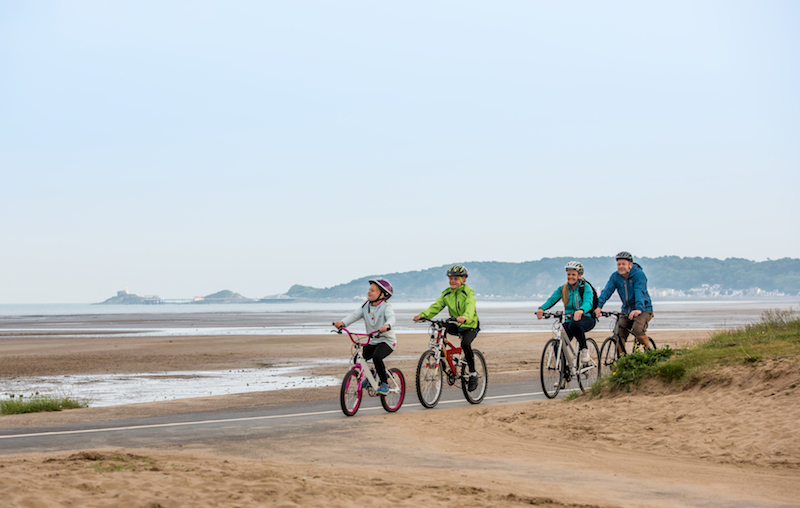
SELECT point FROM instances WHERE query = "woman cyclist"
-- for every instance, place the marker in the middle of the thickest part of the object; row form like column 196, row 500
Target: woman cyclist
column 577, row 296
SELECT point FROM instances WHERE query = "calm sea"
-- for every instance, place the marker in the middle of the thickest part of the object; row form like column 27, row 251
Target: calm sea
column 316, row 317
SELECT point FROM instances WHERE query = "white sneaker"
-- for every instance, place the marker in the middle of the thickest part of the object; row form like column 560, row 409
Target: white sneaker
column 585, row 356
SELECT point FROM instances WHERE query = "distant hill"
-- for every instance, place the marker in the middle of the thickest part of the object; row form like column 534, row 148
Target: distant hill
column 674, row 275
column 226, row 294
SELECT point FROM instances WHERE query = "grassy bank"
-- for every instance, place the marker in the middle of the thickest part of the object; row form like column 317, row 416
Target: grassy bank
column 37, row 402
column 775, row 336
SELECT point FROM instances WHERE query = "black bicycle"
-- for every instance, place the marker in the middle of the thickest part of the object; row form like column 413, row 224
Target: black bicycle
column 614, row 347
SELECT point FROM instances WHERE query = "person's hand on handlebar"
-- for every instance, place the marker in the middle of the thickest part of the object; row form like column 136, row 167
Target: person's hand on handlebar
column 384, row 328
column 539, row 313
column 417, row 317
column 633, row 314
column 578, row 315
column 338, row 325
column 461, row 319
column 598, row 312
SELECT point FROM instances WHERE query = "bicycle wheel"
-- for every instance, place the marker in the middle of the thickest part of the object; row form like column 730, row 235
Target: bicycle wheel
column 394, row 399
column 609, row 354
column 350, row 396
column 588, row 372
column 550, row 369
column 429, row 379
column 475, row 396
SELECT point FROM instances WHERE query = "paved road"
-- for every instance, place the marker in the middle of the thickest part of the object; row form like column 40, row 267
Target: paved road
column 239, row 424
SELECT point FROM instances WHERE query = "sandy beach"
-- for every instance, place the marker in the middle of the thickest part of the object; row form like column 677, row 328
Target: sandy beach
column 733, row 442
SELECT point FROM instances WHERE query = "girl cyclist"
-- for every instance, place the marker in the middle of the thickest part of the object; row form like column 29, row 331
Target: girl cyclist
column 460, row 302
column 577, row 296
column 378, row 315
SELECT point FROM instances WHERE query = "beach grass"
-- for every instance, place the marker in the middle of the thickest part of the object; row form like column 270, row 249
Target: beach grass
column 775, row 336
column 18, row 404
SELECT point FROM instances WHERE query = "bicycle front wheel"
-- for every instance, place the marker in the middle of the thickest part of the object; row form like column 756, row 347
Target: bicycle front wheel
column 350, row 396
column 475, row 396
column 397, row 391
column 609, row 354
column 429, row 379
column 550, row 371
column 588, row 372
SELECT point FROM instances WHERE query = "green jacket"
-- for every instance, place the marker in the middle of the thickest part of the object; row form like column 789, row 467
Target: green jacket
column 459, row 302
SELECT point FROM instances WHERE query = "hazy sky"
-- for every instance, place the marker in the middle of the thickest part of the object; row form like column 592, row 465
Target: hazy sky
column 181, row 148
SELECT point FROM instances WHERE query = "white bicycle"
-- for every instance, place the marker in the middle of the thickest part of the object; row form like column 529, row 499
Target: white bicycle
column 560, row 365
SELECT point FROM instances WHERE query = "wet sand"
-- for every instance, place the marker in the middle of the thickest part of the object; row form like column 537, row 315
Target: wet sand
column 734, row 442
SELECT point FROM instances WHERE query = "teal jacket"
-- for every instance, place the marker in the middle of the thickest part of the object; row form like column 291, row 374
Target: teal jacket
column 574, row 301
column 459, row 302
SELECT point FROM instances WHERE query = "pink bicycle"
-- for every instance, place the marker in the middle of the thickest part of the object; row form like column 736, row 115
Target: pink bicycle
column 361, row 375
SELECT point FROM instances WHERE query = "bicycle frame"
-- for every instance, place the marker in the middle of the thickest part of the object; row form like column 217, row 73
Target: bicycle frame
column 561, row 336
column 360, row 363
column 443, row 347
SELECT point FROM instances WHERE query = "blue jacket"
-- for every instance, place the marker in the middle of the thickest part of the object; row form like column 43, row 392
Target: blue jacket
column 574, row 301
column 632, row 291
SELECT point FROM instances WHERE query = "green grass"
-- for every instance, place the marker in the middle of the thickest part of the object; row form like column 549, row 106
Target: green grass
column 775, row 336
column 38, row 402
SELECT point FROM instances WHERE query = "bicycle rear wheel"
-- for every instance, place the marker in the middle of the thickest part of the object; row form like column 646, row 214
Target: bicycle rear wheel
column 609, row 354
column 588, row 372
column 394, row 399
column 550, row 372
column 429, row 379
column 350, row 396
column 475, row 396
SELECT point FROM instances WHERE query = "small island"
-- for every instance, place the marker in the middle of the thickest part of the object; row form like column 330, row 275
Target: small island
column 225, row 296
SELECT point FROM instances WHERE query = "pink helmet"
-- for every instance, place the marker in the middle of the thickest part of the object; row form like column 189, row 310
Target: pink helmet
column 385, row 286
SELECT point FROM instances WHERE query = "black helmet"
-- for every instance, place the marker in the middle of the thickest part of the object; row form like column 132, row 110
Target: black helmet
column 625, row 255
column 457, row 271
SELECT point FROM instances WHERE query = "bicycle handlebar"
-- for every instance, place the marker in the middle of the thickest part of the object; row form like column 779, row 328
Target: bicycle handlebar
column 438, row 322
column 350, row 334
column 611, row 313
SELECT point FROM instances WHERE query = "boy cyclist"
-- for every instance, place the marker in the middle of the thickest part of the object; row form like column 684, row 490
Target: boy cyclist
column 577, row 296
column 378, row 315
column 630, row 283
column 460, row 302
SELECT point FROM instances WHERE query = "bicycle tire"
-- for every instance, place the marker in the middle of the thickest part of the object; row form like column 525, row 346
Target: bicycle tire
column 550, row 372
column 392, row 401
column 429, row 379
column 477, row 395
column 609, row 354
column 350, row 395
column 586, row 378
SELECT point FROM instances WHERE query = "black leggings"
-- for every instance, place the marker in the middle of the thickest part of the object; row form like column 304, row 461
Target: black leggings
column 578, row 329
column 467, row 336
column 377, row 352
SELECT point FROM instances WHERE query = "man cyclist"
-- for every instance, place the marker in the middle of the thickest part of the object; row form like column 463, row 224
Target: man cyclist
column 630, row 283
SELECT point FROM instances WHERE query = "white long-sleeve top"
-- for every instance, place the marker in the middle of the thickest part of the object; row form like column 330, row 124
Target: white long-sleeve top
column 374, row 317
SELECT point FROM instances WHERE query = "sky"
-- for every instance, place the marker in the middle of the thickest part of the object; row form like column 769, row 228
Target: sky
column 181, row 148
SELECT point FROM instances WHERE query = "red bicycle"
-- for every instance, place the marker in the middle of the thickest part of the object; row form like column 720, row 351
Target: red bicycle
column 361, row 377
column 441, row 358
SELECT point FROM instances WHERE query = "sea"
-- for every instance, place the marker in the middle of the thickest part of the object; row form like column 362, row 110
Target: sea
column 285, row 318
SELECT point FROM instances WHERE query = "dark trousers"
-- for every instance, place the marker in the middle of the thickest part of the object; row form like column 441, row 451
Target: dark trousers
column 377, row 353
column 467, row 335
column 578, row 329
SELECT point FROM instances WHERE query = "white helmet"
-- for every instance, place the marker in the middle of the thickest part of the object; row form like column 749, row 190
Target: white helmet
column 574, row 265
